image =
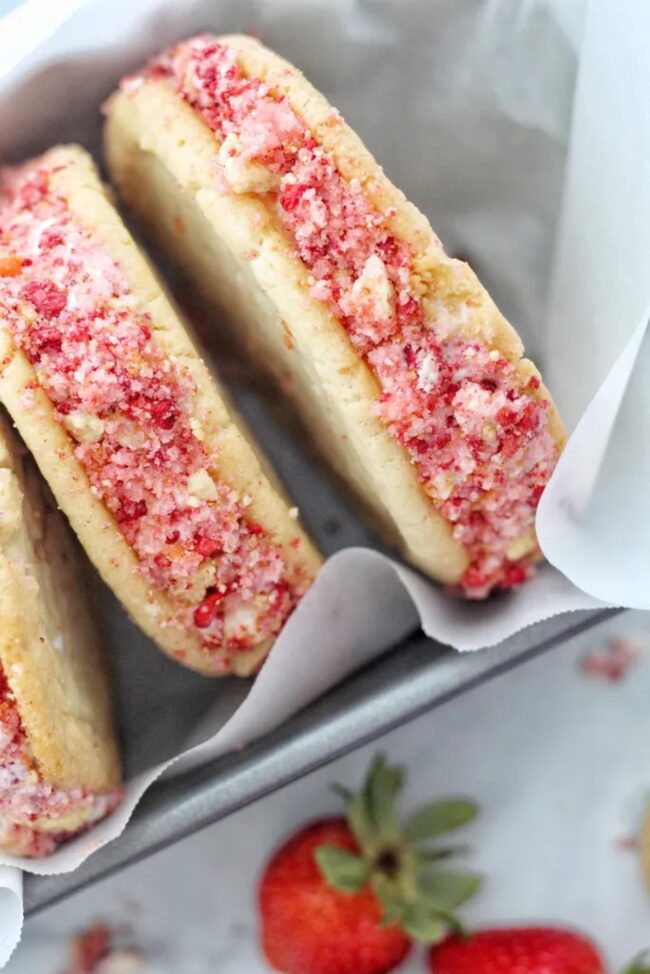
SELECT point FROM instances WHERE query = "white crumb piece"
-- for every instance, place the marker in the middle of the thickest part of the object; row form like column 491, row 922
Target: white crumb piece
column 373, row 289
column 130, row 435
column 245, row 175
column 132, row 84
column 201, row 485
column 196, row 428
column 293, row 513
column 203, row 578
column 58, row 643
column 240, row 619
column 521, row 547
column 27, row 400
column 85, row 427
column 121, row 962
column 10, row 503
column 444, row 485
column 428, row 373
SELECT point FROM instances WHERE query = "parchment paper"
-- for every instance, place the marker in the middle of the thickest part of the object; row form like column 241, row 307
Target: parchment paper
column 470, row 107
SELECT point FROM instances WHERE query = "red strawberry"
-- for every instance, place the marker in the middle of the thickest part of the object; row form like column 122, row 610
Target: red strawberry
column 93, row 952
column 347, row 896
column 90, row 948
column 526, row 950
column 309, row 927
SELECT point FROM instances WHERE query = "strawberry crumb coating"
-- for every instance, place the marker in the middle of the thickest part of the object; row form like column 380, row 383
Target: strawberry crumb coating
column 25, row 797
column 475, row 430
column 128, row 407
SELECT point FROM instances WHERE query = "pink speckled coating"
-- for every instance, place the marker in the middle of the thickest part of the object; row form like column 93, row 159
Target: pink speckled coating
column 69, row 308
column 25, row 796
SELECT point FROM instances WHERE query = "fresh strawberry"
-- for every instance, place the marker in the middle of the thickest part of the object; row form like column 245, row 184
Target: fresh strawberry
column 310, row 927
column 523, row 950
column 349, row 895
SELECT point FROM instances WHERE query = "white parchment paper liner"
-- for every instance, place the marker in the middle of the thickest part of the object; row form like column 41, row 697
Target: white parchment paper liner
column 481, row 146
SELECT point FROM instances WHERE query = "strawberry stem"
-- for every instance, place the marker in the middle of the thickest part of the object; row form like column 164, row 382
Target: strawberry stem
column 408, row 877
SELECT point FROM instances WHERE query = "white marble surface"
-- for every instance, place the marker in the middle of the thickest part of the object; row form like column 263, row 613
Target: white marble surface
column 559, row 762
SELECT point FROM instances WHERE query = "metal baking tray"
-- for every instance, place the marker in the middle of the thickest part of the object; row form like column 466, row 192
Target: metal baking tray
column 404, row 683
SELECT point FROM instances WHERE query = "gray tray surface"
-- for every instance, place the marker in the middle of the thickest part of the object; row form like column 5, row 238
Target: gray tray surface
column 406, row 682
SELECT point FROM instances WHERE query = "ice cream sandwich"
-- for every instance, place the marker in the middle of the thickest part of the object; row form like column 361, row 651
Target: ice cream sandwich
column 128, row 426
column 59, row 766
column 411, row 380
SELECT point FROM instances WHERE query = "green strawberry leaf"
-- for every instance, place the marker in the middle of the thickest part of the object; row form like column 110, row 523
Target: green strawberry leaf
column 382, row 787
column 361, row 823
column 342, row 870
column 436, row 855
column 386, row 894
column 440, row 817
column 410, row 888
column 424, row 924
column 640, row 964
column 448, row 890
column 342, row 792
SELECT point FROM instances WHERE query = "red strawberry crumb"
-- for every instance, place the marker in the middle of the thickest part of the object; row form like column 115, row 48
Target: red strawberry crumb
column 612, row 663
column 47, row 299
column 537, row 494
column 629, row 843
column 205, row 613
column 291, row 196
column 130, row 510
column 516, row 574
column 95, row 952
column 164, row 412
column 90, row 948
column 474, row 578
column 206, row 547
column 47, row 340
